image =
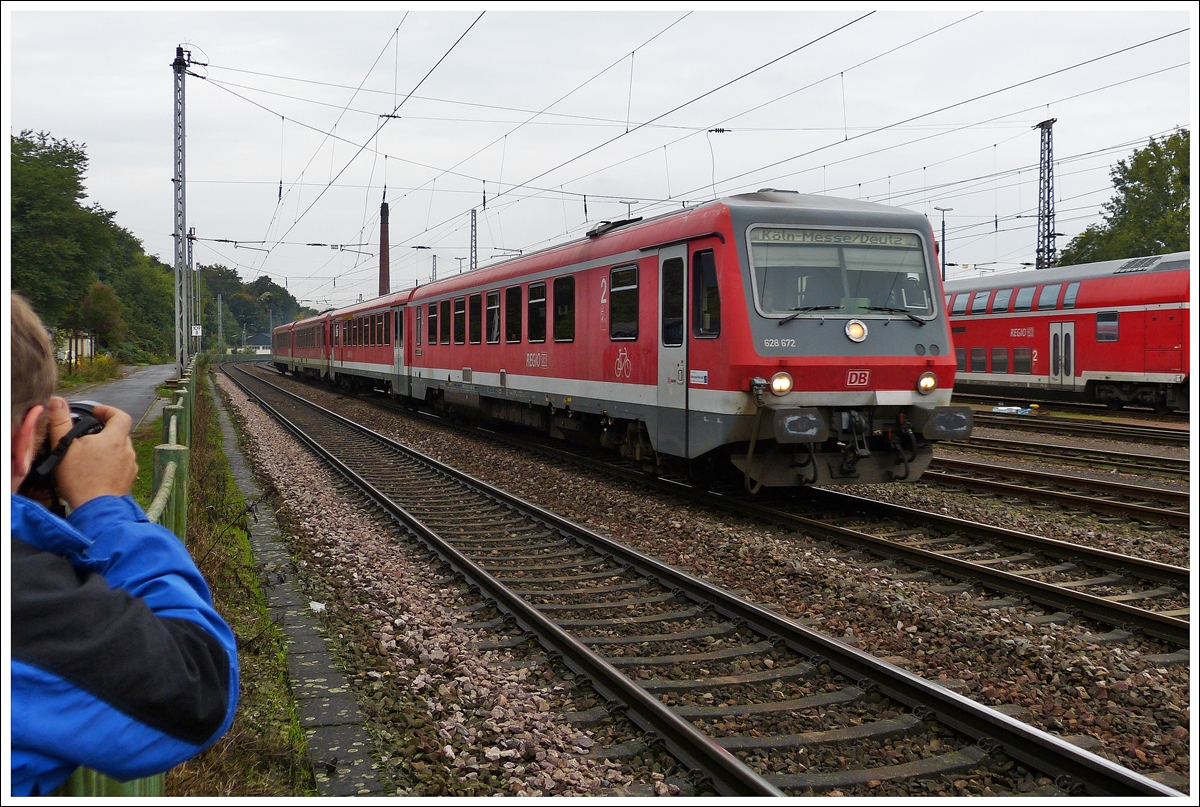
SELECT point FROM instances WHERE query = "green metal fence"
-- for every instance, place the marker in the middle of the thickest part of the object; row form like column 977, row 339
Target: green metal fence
column 168, row 508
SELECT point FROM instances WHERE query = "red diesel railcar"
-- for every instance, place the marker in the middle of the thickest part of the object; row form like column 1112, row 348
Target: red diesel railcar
column 801, row 338
column 1114, row 332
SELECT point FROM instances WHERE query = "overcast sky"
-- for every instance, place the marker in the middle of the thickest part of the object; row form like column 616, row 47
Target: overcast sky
column 287, row 146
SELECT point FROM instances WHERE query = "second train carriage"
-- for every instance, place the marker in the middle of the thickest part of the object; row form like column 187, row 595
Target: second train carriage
column 801, row 338
column 1114, row 332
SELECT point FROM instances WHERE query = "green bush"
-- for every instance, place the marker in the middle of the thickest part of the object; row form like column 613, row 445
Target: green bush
column 89, row 371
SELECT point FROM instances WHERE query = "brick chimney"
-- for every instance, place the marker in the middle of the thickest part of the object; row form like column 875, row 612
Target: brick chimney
column 385, row 280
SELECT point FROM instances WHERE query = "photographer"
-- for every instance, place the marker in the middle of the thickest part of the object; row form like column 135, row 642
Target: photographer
column 119, row 662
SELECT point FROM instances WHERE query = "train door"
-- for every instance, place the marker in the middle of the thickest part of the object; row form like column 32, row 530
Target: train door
column 399, row 372
column 672, row 351
column 1062, row 355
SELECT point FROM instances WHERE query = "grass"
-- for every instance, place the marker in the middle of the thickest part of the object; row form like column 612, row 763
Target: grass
column 263, row 753
column 87, row 371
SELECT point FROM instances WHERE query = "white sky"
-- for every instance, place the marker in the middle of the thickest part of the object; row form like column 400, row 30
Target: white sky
column 810, row 121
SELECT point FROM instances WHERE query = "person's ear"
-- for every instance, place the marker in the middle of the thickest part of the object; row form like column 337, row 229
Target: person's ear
column 25, row 445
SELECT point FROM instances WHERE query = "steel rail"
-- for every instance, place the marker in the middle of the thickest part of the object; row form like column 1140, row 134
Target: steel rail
column 1175, row 518
column 1142, row 492
column 1072, row 767
column 695, row 749
column 1111, row 431
column 1073, row 455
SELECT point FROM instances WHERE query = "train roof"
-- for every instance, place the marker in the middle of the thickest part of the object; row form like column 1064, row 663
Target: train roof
column 1169, row 262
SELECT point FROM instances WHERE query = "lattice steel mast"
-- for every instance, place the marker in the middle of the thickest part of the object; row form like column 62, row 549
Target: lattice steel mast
column 179, row 66
column 1047, row 251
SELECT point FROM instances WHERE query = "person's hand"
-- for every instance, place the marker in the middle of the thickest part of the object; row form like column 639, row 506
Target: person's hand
column 102, row 464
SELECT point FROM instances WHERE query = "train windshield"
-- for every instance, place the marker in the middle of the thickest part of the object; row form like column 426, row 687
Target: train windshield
column 797, row 271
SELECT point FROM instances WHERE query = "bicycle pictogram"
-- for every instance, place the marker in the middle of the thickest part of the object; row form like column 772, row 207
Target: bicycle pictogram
column 623, row 367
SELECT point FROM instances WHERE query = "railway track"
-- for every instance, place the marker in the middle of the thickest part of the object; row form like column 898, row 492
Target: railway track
column 1154, row 435
column 1074, row 455
column 753, row 700
column 1100, row 496
column 1049, row 405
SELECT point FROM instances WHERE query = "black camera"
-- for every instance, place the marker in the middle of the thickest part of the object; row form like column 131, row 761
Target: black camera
column 39, row 485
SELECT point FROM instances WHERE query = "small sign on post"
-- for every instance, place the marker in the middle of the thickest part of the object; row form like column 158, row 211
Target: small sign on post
column 197, row 330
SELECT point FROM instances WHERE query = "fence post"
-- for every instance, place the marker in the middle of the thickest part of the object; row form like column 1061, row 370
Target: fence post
column 184, row 400
column 175, row 411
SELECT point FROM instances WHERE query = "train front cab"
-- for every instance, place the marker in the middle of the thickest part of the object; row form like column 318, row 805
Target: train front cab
column 845, row 352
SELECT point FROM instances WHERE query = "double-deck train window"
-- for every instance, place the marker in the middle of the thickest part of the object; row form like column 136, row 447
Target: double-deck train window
column 960, row 356
column 512, row 315
column 960, row 303
column 1108, row 326
column 999, row 360
column 1024, row 298
column 537, row 312
column 564, row 309
column 979, row 304
column 475, row 319
column 493, row 317
column 1023, row 360
column 444, row 322
column 706, row 298
column 1071, row 295
column 1000, row 304
column 979, row 360
column 1048, row 299
column 672, row 302
column 623, row 307
column 460, row 320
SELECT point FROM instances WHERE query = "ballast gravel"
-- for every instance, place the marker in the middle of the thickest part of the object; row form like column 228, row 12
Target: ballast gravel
column 1073, row 679
column 447, row 719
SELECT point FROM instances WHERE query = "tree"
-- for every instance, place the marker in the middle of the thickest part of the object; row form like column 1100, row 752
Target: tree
column 100, row 315
column 58, row 246
column 1150, row 211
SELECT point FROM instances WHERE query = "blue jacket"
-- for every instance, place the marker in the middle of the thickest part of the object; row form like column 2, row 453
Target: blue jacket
column 119, row 661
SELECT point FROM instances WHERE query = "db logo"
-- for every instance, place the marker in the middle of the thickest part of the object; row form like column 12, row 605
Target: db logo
column 858, row 378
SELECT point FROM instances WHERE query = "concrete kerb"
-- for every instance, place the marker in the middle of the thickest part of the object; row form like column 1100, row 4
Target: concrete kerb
column 339, row 748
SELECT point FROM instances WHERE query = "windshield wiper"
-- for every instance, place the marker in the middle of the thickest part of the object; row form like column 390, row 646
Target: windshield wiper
column 891, row 310
column 807, row 309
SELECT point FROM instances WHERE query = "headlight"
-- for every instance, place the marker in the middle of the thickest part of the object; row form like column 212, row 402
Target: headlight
column 781, row 383
column 927, row 383
column 856, row 330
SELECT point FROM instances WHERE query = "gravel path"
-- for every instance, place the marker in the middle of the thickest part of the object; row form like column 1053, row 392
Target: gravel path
column 1060, row 678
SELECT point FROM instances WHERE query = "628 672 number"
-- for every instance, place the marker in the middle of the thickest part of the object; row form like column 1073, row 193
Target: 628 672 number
column 779, row 343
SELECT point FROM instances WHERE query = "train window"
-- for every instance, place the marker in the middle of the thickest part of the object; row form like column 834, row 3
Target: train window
column 460, row 320
column 537, row 312
column 1108, row 326
column 1023, row 360
column 1000, row 303
column 979, row 304
column 444, row 322
column 1071, row 295
column 999, row 360
column 512, row 315
column 475, row 319
column 381, row 330
column 979, row 360
column 372, row 330
column 387, row 328
column 433, row 324
column 493, row 317
column 623, row 311
column 564, row 309
column 417, row 330
column 354, row 332
column 706, row 298
column 960, row 355
column 1024, row 300
column 960, row 303
column 1048, row 299
column 672, row 302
